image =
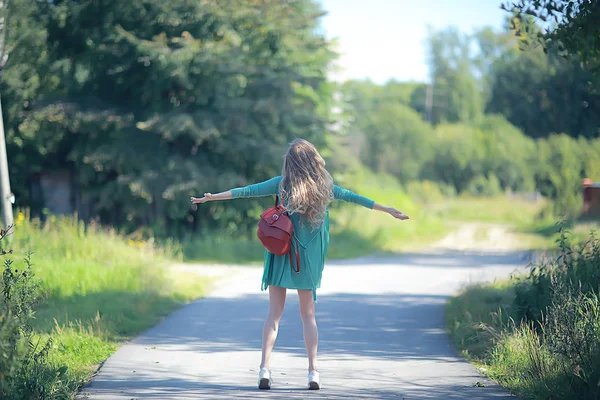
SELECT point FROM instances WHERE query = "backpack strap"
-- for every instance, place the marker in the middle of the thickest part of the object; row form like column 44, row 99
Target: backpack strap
column 295, row 250
column 278, row 201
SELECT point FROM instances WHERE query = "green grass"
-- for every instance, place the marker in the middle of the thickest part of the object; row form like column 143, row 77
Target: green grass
column 479, row 322
column 503, row 210
column 379, row 231
column 477, row 314
column 354, row 231
column 548, row 232
column 223, row 249
column 100, row 288
column 483, row 326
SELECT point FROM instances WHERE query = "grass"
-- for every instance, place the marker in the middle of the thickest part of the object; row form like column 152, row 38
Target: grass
column 354, row 230
column 502, row 209
column 483, row 326
column 480, row 323
column 100, row 288
column 474, row 317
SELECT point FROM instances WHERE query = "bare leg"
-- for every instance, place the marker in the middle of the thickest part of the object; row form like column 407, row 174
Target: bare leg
column 309, row 322
column 276, row 304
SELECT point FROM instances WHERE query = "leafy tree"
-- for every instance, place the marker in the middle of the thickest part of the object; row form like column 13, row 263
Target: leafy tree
column 394, row 138
column 398, row 141
column 540, row 92
column 456, row 93
column 156, row 101
column 459, row 155
column 572, row 26
column 509, row 154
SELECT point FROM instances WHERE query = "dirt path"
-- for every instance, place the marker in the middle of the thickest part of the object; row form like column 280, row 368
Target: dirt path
column 481, row 237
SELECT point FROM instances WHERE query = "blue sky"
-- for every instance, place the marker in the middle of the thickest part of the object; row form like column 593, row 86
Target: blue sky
column 384, row 39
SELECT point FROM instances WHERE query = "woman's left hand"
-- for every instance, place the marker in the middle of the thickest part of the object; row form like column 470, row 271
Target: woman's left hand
column 201, row 200
column 397, row 214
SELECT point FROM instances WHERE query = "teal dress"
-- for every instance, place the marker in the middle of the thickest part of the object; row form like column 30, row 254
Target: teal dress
column 313, row 242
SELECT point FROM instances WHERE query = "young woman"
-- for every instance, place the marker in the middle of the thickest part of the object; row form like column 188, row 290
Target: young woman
column 307, row 189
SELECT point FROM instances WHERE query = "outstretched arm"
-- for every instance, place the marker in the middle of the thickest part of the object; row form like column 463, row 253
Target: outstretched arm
column 265, row 188
column 349, row 196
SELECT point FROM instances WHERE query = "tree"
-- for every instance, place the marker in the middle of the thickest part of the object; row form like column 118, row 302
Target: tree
column 393, row 138
column 539, row 92
column 456, row 94
column 571, row 26
column 156, row 101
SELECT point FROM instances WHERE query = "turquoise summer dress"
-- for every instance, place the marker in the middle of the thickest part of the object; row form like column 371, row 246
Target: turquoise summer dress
column 313, row 242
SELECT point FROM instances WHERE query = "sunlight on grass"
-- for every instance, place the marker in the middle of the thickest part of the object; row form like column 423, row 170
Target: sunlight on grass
column 501, row 209
column 100, row 289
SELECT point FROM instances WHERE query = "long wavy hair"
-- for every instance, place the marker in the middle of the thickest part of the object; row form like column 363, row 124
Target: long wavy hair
column 305, row 183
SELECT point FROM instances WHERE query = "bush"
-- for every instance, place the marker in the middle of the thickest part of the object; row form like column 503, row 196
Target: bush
column 25, row 372
column 572, row 334
column 576, row 268
column 545, row 344
column 482, row 186
column 508, row 153
column 428, row 192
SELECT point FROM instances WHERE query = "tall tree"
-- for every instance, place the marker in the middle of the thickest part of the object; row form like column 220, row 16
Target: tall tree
column 539, row 91
column 456, row 93
column 160, row 100
column 571, row 26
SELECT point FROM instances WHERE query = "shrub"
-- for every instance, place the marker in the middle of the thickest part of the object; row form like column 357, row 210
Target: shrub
column 572, row 334
column 482, row 186
column 25, row 372
column 576, row 267
column 426, row 192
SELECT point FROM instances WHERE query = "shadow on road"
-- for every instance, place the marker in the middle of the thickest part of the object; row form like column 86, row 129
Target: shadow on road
column 193, row 388
column 372, row 344
column 444, row 258
column 382, row 326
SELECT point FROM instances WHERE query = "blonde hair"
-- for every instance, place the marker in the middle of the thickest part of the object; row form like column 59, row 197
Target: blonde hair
column 305, row 183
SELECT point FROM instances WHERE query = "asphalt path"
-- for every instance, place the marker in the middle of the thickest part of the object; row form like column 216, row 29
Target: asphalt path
column 381, row 327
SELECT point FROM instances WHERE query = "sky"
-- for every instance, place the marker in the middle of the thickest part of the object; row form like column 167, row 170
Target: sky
column 386, row 39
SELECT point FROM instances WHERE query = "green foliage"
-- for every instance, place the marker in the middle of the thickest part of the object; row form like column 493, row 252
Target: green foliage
column 572, row 25
column 486, row 156
column 508, row 154
column 428, row 192
column 544, row 94
column 459, row 155
column 398, row 141
column 93, row 296
column 482, row 186
column 456, row 95
column 576, row 269
column 538, row 91
column 25, row 371
column 560, row 165
column 203, row 94
column 539, row 334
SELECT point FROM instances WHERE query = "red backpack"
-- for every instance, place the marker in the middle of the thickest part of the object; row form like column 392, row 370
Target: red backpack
column 276, row 232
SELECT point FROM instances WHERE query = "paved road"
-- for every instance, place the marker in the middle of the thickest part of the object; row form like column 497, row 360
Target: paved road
column 381, row 337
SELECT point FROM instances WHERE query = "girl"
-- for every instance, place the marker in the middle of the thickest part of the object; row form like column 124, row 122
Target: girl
column 307, row 189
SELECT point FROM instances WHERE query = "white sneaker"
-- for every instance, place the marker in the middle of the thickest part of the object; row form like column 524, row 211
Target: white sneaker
column 264, row 379
column 314, row 380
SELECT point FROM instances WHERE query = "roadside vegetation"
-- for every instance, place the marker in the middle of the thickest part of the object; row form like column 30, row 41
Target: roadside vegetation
column 537, row 334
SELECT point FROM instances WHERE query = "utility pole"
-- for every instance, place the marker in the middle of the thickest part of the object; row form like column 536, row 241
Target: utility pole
column 428, row 102
column 6, row 196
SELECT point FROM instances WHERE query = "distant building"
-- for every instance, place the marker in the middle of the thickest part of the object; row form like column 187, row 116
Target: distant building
column 591, row 198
